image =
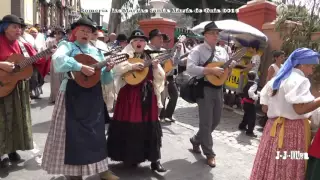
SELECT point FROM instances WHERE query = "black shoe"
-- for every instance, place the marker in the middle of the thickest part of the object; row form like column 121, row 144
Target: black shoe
column 195, row 147
column 14, row 157
column 241, row 128
column 171, row 119
column 251, row 134
column 156, row 166
column 4, row 163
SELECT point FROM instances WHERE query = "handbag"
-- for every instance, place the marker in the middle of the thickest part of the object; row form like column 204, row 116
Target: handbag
column 191, row 88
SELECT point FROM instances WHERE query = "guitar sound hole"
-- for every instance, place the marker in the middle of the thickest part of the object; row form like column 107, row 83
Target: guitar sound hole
column 17, row 68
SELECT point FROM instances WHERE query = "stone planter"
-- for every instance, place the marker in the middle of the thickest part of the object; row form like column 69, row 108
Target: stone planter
column 315, row 36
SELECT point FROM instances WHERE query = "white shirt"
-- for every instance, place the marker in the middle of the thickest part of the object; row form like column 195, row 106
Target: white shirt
column 200, row 54
column 27, row 38
column 275, row 68
column 40, row 42
column 293, row 90
column 101, row 45
column 315, row 120
column 256, row 61
column 252, row 90
column 227, row 48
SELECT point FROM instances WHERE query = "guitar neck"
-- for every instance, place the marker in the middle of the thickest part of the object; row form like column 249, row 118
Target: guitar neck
column 33, row 59
column 115, row 60
column 161, row 58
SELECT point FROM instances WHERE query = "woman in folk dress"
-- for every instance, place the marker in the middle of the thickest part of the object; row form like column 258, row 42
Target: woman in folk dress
column 15, row 118
column 76, row 145
column 288, row 102
column 135, row 132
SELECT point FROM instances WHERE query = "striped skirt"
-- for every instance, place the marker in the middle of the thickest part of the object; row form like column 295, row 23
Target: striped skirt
column 280, row 136
column 54, row 151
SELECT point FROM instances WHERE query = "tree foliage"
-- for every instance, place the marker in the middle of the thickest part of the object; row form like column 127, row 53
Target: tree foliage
column 307, row 21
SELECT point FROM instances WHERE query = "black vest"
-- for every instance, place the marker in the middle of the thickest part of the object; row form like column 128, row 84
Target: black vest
column 246, row 89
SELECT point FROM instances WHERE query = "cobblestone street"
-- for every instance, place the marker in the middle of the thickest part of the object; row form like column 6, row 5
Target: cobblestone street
column 227, row 131
column 235, row 151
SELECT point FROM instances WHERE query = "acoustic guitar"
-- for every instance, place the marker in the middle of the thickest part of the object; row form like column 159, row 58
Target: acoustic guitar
column 167, row 64
column 23, row 69
column 219, row 81
column 90, row 81
column 135, row 77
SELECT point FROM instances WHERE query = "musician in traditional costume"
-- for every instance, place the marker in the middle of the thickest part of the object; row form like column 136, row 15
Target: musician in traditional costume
column 25, row 36
column 76, row 143
column 287, row 100
column 107, row 89
column 15, row 118
column 135, row 132
column 96, row 42
column 122, row 40
column 210, row 97
column 171, row 89
column 55, row 77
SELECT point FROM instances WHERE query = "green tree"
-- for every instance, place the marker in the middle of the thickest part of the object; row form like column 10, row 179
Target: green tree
column 306, row 22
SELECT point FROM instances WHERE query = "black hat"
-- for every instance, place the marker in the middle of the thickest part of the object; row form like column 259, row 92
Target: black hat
column 13, row 19
column 137, row 34
column 155, row 32
column 85, row 22
column 166, row 37
column 211, row 26
column 121, row 37
column 59, row 29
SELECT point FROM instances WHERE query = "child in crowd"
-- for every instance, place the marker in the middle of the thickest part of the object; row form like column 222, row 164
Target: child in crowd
column 249, row 97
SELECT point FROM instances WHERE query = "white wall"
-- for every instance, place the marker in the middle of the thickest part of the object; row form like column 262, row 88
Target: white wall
column 5, row 8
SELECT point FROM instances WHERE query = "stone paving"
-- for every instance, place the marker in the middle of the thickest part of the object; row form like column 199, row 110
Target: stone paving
column 235, row 151
column 227, row 131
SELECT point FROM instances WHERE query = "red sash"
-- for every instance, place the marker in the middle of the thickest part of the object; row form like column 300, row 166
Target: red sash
column 247, row 100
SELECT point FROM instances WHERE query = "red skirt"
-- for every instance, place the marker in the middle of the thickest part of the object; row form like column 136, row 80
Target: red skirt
column 128, row 106
column 314, row 149
column 135, row 132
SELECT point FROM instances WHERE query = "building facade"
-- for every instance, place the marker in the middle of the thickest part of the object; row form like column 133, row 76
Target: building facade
column 52, row 13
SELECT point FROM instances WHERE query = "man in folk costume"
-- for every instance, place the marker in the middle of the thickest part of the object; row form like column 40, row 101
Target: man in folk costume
column 96, row 42
column 76, row 143
column 210, row 98
column 107, row 89
column 15, row 118
column 25, row 36
column 135, row 132
column 55, row 78
column 171, row 90
column 122, row 40
column 288, row 102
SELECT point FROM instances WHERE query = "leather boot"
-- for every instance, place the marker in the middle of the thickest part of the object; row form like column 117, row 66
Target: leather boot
column 4, row 163
column 211, row 161
column 195, row 147
column 14, row 157
column 157, row 166
column 108, row 175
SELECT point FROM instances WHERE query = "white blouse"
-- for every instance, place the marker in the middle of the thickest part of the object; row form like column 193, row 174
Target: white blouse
column 293, row 90
column 121, row 68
